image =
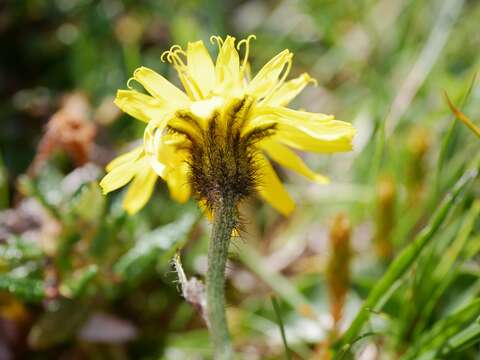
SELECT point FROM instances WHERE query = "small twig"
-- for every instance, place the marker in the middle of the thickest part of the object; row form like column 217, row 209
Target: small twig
column 461, row 116
column 193, row 290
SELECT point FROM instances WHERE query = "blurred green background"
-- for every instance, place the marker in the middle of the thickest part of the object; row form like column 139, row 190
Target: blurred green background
column 79, row 279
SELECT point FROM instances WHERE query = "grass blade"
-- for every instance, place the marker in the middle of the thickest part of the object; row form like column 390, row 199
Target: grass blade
column 462, row 117
column 441, row 277
column 463, row 340
column 444, row 330
column 276, row 307
column 448, row 138
column 381, row 292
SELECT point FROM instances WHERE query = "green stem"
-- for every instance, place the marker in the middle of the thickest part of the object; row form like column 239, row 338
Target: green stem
column 224, row 218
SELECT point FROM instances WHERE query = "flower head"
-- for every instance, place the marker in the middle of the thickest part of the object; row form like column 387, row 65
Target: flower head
column 215, row 138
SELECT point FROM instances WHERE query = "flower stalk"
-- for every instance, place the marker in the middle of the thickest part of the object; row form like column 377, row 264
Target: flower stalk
column 224, row 219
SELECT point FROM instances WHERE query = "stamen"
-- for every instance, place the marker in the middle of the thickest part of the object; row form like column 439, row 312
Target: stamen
column 280, row 82
column 191, row 86
column 218, row 39
column 311, row 80
column 247, row 51
column 171, row 52
column 165, row 53
column 247, row 72
column 175, row 47
column 129, row 80
column 286, row 71
column 178, row 58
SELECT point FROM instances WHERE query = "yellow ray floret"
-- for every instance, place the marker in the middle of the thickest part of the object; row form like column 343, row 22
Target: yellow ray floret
column 216, row 137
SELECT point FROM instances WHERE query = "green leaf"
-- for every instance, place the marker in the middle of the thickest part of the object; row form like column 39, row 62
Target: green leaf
column 26, row 289
column 89, row 203
column 75, row 286
column 58, row 325
column 158, row 245
column 40, row 193
column 105, row 235
column 17, row 250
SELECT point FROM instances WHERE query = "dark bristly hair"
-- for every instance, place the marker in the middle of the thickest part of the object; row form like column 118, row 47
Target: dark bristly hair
column 222, row 155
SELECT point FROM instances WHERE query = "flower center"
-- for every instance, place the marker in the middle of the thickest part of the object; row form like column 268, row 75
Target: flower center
column 222, row 152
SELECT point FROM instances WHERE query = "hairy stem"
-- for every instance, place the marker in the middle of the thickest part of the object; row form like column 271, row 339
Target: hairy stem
column 224, row 217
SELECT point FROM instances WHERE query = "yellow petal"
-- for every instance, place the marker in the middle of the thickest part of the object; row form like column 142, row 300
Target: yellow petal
column 165, row 154
column 124, row 158
column 204, row 108
column 203, row 207
column 339, row 139
column 268, row 77
column 200, row 66
column 140, row 106
column 121, row 175
column 291, row 116
column 160, row 87
column 306, row 131
column 272, row 190
column 289, row 90
column 289, row 159
column 140, row 190
column 153, row 135
column 167, row 150
column 178, row 184
column 159, row 167
column 227, row 68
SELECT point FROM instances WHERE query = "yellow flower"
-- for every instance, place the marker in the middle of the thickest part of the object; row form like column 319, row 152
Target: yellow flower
column 216, row 139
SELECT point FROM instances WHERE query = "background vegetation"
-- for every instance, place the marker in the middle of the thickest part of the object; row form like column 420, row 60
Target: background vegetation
column 81, row 279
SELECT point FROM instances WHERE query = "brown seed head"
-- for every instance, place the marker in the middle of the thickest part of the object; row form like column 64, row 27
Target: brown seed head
column 338, row 270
